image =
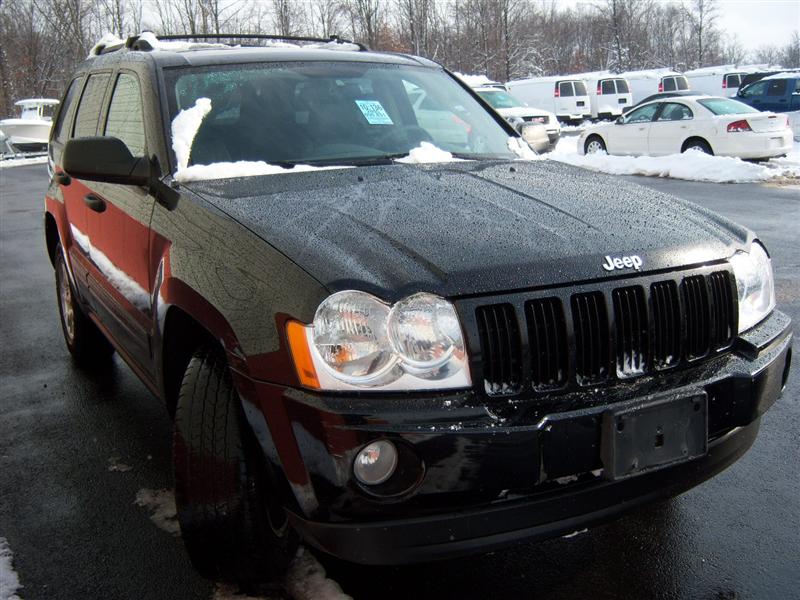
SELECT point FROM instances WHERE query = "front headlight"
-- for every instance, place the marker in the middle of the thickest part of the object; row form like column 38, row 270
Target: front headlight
column 754, row 283
column 358, row 342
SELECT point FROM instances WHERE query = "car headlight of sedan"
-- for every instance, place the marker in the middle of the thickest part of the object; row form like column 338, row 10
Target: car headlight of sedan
column 359, row 342
column 755, row 285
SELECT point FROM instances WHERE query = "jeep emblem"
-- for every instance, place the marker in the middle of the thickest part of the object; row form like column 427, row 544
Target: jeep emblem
column 623, row 262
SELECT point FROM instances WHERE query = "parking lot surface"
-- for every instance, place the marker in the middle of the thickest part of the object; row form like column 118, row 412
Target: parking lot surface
column 78, row 448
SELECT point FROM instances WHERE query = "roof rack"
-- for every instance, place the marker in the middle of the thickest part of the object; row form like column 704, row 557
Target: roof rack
column 135, row 43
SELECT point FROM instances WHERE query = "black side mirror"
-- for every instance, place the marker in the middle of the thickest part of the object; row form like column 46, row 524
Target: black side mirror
column 620, row 120
column 104, row 159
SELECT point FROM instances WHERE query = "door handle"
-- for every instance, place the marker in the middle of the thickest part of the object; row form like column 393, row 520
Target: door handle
column 95, row 203
column 62, row 178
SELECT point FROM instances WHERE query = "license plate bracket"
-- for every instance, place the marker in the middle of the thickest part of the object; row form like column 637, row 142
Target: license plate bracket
column 659, row 434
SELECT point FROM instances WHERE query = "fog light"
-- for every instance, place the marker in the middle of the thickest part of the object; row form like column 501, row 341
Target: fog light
column 375, row 463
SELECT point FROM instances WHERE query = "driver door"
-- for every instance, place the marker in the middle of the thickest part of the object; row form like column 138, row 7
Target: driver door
column 631, row 136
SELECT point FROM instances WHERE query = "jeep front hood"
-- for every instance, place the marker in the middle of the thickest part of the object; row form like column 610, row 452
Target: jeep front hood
column 469, row 227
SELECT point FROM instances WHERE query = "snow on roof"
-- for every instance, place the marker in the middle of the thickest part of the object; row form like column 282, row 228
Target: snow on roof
column 108, row 39
column 36, row 102
column 649, row 73
column 550, row 79
column 474, row 80
column 784, row 75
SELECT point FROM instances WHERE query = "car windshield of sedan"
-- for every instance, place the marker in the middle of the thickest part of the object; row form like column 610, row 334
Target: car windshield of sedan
column 500, row 99
column 726, row 106
column 331, row 113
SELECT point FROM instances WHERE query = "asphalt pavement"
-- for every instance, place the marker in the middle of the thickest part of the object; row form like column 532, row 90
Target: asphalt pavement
column 77, row 447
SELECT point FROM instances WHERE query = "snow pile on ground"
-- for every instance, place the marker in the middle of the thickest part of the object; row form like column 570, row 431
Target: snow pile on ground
column 474, row 80
column 306, row 580
column 692, row 166
column 9, row 580
column 185, row 127
column 427, row 153
column 161, row 505
column 21, row 162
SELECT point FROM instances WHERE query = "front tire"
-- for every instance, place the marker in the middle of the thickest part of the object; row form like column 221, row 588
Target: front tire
column 231, row 518
column 84, row 340
column 594, row 144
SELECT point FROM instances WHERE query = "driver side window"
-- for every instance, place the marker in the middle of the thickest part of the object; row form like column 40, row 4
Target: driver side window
column 125, row 119
column 643, row 114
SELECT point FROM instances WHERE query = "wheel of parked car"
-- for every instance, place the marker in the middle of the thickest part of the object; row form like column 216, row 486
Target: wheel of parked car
column 697, row 144
column 84, row 340
column 594, row 144
column 232, row 522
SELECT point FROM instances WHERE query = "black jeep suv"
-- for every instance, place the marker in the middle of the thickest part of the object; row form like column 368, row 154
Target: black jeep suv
column 381, row 325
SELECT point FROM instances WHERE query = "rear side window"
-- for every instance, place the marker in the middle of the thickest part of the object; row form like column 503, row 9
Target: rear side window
column 565, row 89
column 622, row 87
column 668, row 83
column 673, row 111
column 733, row 81
column 58, row 128
column 777, row 87
column 683, row 83
column 608, row 87
column 89, row 109
column 580, row 88
column 125, row 119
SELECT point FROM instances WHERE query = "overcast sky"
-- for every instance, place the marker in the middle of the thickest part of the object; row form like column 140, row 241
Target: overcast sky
column 755, row 22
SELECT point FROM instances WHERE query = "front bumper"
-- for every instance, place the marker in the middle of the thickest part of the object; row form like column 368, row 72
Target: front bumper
column 483, row 473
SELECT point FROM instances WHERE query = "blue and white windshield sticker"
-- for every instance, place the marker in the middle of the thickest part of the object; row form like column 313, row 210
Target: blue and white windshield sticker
column 374, row 112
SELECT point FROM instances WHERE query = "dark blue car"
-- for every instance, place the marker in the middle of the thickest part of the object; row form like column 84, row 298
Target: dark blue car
column 777, row 93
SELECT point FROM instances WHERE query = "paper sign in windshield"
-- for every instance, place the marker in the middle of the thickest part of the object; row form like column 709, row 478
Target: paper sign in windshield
column 374, row 112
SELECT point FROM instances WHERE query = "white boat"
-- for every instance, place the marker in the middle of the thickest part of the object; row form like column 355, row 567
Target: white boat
column 31, row 131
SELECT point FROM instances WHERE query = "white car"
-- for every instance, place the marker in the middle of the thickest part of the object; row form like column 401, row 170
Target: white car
column 518, row 113
column 711, row 124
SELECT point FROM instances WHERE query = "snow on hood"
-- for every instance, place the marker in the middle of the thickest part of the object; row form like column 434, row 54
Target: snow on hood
column 427, row 153
column 242, row 168
column 691, row 166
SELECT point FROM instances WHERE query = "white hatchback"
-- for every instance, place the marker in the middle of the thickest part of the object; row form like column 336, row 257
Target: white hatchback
column 711, row 124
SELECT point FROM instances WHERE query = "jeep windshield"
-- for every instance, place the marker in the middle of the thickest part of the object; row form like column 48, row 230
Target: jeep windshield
column 331, row 113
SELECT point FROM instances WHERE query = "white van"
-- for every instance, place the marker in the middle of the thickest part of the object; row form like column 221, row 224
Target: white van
column 653, row 81
column 566, row 96
column 716, row 81
column 608, row 94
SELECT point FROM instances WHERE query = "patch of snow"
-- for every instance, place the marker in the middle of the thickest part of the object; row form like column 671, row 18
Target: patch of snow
column 123, row 282
column 227, row 591
column 519, row 147
column 427, row 153
column 115, row 466
column 108, row 39
column 306, row 580
column 341, row 46
column 161, row 506
column 21, row 162
column 176, row 45
column 9, row 580
column 692, row 166
column 566, row 479
column 474, row 80
column 185, row 127
column 575, row 533
column 242, row 168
